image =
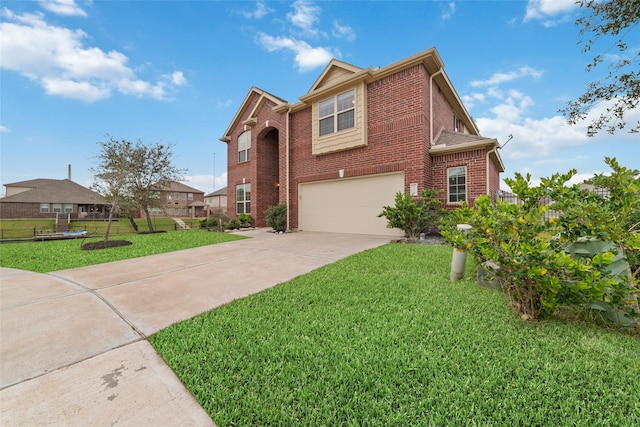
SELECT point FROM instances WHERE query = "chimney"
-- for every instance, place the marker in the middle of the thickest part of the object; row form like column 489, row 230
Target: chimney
column 69, row 171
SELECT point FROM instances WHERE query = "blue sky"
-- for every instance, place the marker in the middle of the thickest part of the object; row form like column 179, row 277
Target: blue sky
column 177, row 71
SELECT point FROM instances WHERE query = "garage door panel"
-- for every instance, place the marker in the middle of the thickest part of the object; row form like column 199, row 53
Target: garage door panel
column 349, row 205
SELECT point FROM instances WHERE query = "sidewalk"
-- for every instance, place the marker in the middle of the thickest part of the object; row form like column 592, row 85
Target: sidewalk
column 73, row 347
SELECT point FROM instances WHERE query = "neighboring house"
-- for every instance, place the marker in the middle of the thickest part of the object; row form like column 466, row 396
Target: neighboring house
column 216, row 200
column 51, row 198
column 179, row 200
column 355, row 139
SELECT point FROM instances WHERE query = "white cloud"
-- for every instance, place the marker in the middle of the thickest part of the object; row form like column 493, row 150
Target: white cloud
column 260, row 11
column 305, row 16
column 224, row 103
column 58, row 60
column 449, row 11
column 306, row 57
column 83, row 91
column 550, row 12
column 205, row 182
column 499, row 78
column 4, row 129
column 63, row 7
column 343, row 32
column 178, row 79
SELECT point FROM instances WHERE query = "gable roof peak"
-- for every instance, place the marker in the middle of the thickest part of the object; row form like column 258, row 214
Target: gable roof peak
column 334, row 70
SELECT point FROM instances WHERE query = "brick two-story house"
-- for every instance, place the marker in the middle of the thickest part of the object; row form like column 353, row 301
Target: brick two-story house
column 355, row 139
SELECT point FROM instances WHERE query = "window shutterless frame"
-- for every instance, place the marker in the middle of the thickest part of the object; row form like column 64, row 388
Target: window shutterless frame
column 244, row 147
column 457, row 184
column 337, row 113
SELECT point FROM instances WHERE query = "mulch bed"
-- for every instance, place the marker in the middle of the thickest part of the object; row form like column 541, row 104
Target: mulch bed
column 104, row 245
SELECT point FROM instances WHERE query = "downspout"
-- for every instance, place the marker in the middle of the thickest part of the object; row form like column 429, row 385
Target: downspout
column 493, row 150
column 288, row 196
column 431, row 105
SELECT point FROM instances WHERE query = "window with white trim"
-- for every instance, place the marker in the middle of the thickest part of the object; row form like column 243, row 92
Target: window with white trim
column 457, row 186
column 243, row 198
column 57, row 208
column 244, row 147
column 44, row 207
column 457, row 124
column 337, row 113
column 68, row 208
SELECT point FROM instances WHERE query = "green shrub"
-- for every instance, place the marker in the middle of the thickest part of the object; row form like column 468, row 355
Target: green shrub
column 217, row 220
column 538, row 267
column 413, row 215
column 233, row 224
column 276, row 217
column 245, row 220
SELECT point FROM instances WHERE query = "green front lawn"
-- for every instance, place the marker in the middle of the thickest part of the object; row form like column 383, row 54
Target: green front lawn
column 384, row 338
column 62, row 254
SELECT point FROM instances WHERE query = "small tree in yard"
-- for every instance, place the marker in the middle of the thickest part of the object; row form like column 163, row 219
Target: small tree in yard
column 151, row 170
column 111, row 176
column 413, row 216
column 131, row 175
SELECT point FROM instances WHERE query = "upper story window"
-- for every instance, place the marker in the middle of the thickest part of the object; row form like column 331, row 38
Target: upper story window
column 337, row 113
column 190, row 196
column 457, row 187
column 457, row 124
column 244, row 147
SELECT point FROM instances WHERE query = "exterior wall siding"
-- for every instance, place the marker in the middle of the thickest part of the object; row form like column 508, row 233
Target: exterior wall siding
column 397, row 137
column 474, row 160
column 248, row 172
column 397, row 131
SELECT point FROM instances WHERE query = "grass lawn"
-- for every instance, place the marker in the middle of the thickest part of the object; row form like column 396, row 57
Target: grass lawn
column 62, row 254
column 383, row 338
column 24, row 228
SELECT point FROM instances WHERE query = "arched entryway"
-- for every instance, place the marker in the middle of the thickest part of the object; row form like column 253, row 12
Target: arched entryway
column 266, row 193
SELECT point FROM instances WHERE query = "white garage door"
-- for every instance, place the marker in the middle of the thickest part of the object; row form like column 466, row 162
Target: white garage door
column 349, row 205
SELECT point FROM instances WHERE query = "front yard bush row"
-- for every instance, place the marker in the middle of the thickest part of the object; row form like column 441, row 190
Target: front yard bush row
column 275, row 217
column 560, row 246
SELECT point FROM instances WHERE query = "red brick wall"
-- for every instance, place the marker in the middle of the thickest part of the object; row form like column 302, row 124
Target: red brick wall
column 442, row 112
column 262, row 196
column 474, row 160
column 26, row 211
column 398, row 137
column 266, row 192
column 398, row 114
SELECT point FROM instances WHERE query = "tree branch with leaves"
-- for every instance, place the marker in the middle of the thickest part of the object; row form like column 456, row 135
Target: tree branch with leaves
column 620, row 89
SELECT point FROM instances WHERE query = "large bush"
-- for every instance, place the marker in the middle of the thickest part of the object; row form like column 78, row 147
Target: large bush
column 413, row 215
column 217, row 220
column 276, row 217
column 531, row 241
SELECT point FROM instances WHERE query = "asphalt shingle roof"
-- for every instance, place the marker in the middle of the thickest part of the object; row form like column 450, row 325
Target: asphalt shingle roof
column 53, row 191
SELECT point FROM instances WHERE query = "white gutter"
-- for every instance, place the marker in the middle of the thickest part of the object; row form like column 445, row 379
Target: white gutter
column 431, row 105
column 487, row 172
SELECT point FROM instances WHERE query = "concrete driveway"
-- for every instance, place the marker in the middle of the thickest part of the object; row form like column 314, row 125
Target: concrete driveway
column 73, row 348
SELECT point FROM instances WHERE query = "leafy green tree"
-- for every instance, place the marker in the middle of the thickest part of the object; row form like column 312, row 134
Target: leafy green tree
column 111, row 176
column 131, row 175
column 151, row 169
column 621, row 86
column 413, row 215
